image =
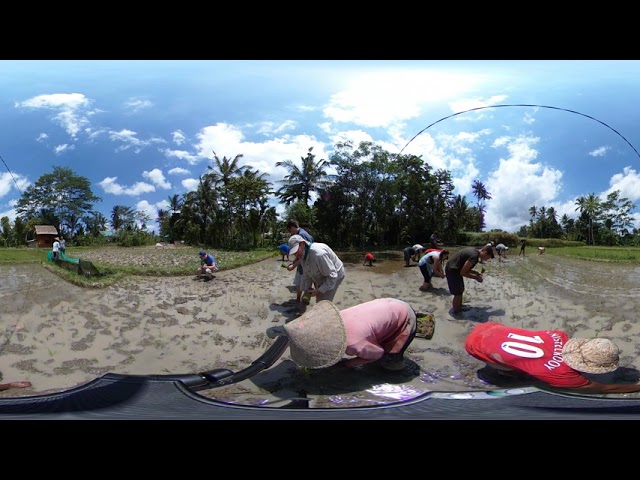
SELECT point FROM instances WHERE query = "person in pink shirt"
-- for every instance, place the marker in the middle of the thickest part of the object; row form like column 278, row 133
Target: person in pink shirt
column 547, row 355
column 376, row 331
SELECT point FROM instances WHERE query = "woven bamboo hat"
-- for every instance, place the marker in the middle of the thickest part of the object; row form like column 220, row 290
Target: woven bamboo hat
column 317, row 339
column 591, row 355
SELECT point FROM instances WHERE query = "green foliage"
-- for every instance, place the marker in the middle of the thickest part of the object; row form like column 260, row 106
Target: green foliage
column 86, row 240
column 62, row 198
column 299, row 182
column 602, row 254
column 466, row 238
column 300, row 212
column 192, row 235
column 375, row 199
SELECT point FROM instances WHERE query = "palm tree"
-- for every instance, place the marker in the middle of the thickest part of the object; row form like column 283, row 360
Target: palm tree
column 206, row 199
column 248, row 191
column 121, row 216
column 95, row 223
column 591, row 206
column 161, row 218
column 481, row 193
column 300, row 182
column 457, row 216
column 175, row 203
column 224, row 171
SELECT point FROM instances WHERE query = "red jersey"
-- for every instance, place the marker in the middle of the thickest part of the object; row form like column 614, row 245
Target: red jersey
column 535, row 352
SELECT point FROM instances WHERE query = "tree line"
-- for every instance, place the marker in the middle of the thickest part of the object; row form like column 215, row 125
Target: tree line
column 374, row 199
column 600, row 222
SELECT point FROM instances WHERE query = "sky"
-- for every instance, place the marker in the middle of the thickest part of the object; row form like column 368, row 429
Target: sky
column 144, row 130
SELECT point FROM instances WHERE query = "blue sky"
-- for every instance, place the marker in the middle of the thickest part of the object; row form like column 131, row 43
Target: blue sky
column 141, row 131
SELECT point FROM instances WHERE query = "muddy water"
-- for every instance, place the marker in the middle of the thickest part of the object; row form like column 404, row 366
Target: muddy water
column 58, row 335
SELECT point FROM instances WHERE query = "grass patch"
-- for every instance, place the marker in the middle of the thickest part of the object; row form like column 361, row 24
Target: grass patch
column 22, row 255
column 597, row 253
column 119, row 263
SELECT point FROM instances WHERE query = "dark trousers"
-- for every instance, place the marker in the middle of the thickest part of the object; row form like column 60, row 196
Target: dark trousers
column 425, row 273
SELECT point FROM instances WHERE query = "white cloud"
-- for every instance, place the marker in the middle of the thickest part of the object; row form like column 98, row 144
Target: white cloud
column 599, row 152
column 151, row 210
column 128, row 139
column 182, row 155
column 381, row 98
column 157, row 178
column 178, row 137
column 8, row 183
column 270, row 128
column 109, row 185
column 63, row 148
column 628, row 182
column 72, row 109
column 228, row 141
column 518, row 184
column 136, row 105
column 465, row 104
column 190, row 184
column 178, row 171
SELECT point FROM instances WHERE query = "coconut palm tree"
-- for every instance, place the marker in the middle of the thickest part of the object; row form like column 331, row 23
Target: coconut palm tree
column 591, row 206
column 175, row 203
column 301, row 181
column 122, row 217
column 482, row 194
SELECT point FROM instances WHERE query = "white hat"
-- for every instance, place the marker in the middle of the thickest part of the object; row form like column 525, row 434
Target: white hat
column 591, row 355
column 317, row 339
column 294, row 243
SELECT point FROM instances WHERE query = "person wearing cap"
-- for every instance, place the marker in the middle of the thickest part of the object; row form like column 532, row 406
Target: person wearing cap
column 549, row 356
column 295, row 229
column 413, row 253
column 461, row 265
column 323, row 271
column 501, row 250
column 376, row 331
column 284, row 250
column 208, row 264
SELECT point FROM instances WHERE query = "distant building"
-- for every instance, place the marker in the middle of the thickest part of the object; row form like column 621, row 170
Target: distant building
column 43, row 236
